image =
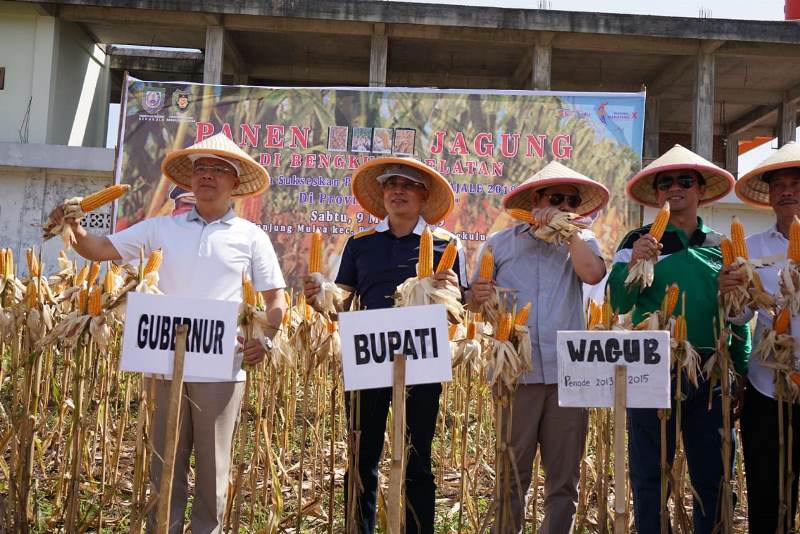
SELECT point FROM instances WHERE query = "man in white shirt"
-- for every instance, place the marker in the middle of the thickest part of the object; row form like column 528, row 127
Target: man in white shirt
column 775, row 184
column 206, row 250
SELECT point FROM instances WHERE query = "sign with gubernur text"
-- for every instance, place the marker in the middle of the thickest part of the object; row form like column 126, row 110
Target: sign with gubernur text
column 371, row 338
column 586, row 362
column 148, row 343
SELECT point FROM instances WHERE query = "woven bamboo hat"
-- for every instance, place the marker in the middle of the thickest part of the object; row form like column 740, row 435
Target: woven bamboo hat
column 253, row 178
column 719, row 182
column 594, row 195
column 752, row 189
column 368, row 190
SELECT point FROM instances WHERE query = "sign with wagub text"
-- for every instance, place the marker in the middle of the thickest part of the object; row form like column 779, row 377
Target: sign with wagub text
column 586, row 363
column 371, row 338
column 148, row 343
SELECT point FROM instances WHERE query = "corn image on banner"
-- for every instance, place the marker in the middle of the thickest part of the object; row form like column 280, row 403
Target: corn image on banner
column 311, row 139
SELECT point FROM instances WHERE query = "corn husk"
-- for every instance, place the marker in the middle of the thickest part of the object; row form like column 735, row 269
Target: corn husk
column 72, row 210
column 417, row 291
column 561, row 228
column 330, row 297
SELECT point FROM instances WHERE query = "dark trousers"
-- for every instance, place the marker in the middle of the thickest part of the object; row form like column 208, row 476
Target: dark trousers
column 422, row 408
column 759, row 424
column 702, row 440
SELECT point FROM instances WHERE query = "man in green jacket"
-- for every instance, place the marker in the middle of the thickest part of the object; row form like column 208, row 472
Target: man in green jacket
column 688, row 255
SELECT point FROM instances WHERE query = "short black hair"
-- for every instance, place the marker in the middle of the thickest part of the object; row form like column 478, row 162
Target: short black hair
column 770, row 175
column 698, row 176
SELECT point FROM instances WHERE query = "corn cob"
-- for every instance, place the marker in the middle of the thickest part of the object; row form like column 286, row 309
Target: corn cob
column 680, row 329
column 478, row 317
column 448, row 258
column 108, row 282
column 487, row 265
column 781, row 325
column 83, row 297
column 154, row 261
column 94, row 270
column 31, row 295
column 9, row 267
column 94, row 301
column 425, row 265
column 522, row 315
column 608, row 313
column 248, row 294
column 738, row 243
column 34, row 269
column 260, row 304
column 104, row 196
column 451, row 331
column 504, row 328
column 794, row 241
column 471, row 330
column 332, row 326
column 660, row 222
column 726, row 247
column 80, row 278
column 671, row 300
column 3, row 261
column 114, row 268
column 309, row 311
column 795, row 376
column 595, row 314
column 522, row 215
column 315, row 254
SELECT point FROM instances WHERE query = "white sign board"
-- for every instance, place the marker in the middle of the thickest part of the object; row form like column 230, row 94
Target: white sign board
column 148, row 342
column 586, row 362
column 370, row 338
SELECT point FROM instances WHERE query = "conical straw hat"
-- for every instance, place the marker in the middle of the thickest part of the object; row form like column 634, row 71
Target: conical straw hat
column 752, row 189
column 594, row 195
column 253, row 178
column 369, row 192
column 719, row 182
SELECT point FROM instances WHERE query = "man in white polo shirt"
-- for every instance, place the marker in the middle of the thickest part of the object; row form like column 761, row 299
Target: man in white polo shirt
column 206, row 250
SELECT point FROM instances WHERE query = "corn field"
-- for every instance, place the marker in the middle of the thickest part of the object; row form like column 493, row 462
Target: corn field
column 75, row 430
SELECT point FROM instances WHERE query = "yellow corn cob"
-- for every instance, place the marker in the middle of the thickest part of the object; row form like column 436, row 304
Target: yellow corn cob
column 448, row 258
column 114, row 268
column 737, row 239
column 154, row 261
column 471, row 330
column 671, row 300
column 504, row 328
column 595, row 314
column 478, row 317
column 108, row 282
column 781, row 325
column 9, row 270
column 109, row 194
column 309, row 311
column 486, row 270
column 80, row 278
column 31, row 295
column 425, row 265
column 248, row 294
column 608, row 313
column 794, row 241
column 94, row 301
column 315, row 255
column 795, row 376
column 521, row 215
column 522, row 315
column 3, row 262
column 83, row 298
column 260, row 304
column 726, row 247
column 660, row 222
column 680, row 329
column 94, row 270
column 34, row 269
column 332, row 326
column 451, row 331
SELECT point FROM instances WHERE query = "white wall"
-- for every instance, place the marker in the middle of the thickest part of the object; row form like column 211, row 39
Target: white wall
column 47, row 62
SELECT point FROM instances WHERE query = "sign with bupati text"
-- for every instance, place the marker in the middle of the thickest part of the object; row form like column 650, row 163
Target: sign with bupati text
column 371, row 338
column 148, row 343
column 586, row 362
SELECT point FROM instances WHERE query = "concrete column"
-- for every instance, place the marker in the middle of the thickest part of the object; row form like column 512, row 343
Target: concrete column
column 732, row 155
column 378, row 56
column 703, row 110
column 787, row 123
column 542, row 58
column 212, row 65
column 652, row 126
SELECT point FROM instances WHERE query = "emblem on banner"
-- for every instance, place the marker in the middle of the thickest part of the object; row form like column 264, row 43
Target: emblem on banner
column 181, row 101
column 153, row 99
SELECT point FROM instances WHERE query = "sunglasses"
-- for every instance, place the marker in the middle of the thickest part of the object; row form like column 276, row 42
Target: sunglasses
column 214, row 169
column 685, row 181
column 405, row 185
column 556, row 199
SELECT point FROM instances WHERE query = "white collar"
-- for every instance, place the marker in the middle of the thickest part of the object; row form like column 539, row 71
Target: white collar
column 383, row 226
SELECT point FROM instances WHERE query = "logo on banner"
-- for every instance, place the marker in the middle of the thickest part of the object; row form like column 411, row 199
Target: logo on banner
column 181, row 106
column 153, row 99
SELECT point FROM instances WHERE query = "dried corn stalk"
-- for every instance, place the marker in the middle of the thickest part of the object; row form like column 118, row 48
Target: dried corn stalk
column 752, row 293
column 789, row 278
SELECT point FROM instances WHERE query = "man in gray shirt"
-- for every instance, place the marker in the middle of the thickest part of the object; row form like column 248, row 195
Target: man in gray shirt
column 550, row 276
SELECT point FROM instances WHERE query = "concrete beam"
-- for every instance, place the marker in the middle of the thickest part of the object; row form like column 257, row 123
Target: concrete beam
column 127, row 51
column 652, row 127
column 154, row 64
column 378, row 56
column 703, row 106
column 542, row 60
column 215, row 44
column 746, row 122
column 732, row 155
column 666, row 78
column 61, row 157
column 323, row 75
column 232, row 54
column 787, row 123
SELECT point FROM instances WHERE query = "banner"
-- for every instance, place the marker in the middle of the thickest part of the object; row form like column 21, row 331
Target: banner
column 311, row 139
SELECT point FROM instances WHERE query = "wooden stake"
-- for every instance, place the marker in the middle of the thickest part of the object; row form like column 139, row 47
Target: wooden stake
column 620, row 493
column 397, row 469
column 171, row 439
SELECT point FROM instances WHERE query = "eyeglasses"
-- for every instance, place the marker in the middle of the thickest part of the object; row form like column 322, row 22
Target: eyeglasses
column 405, row 185
column 214, row 169
column 685, row 181
column 556, row 199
